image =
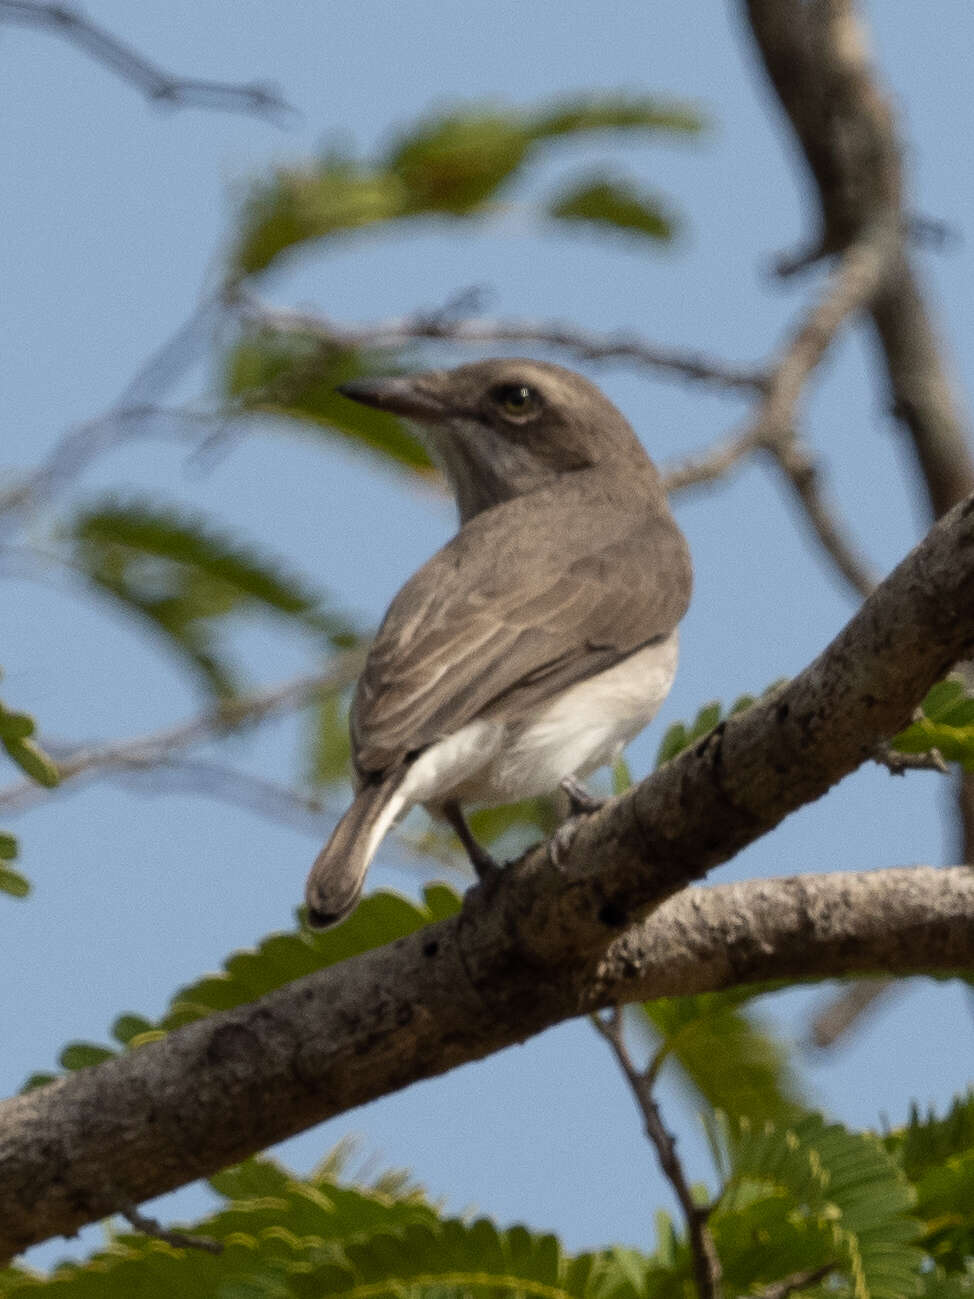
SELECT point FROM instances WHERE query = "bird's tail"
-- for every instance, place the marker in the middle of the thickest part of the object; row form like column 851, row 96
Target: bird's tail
column 337, row 876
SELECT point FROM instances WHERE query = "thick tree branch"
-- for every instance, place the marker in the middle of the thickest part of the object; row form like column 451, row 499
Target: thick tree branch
column 524, row 953
column 155, row 84
column 227, row 1086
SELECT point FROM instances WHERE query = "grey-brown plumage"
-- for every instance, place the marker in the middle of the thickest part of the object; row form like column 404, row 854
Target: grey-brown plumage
column 540, row 638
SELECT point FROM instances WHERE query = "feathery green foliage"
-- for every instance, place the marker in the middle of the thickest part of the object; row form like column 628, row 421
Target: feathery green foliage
column 727, row 1060
column 451, row 165
column 945, row 722
column 183, row 579
column 295, row 376
column 800, row 1195
column 937, row 1154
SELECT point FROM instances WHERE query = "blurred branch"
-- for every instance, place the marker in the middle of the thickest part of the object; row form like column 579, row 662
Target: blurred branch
column 846, row 1010
column 132, row 415
column 585, row 345
column 158, row 748
column 707, row 1269
column 850, row 288
column 153, row 82
column 817, row 59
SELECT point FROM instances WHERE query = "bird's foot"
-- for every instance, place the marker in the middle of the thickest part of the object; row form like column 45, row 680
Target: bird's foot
column 581, row 801
column 582, row 804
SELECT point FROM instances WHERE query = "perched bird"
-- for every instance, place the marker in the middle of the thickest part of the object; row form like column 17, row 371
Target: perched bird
column 537, row 642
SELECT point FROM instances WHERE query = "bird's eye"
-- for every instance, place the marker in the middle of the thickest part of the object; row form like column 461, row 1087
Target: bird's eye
column 517, row 399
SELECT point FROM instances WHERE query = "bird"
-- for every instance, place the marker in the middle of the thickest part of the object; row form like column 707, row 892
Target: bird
column 539, row 640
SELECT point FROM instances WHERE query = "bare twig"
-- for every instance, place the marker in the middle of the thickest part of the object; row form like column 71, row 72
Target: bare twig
column 708, row 466
column 158, row 748
column 266, row 798
column 900, row 763
column 797, row 1281
column 850, row 288
column 583, row 344
column 706, row 1262
column 179, row 1239
column 846, row 1009
column 134, row 414
column 153, row 82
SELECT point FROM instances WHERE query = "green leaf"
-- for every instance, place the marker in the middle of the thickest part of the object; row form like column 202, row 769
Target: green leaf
column 81, row 1055
column 457, row 162
column 150, row 530
column 609, row 112
column 13, row 883
column 453, row 164
column 945, row 723
column 15, row 726
column 128, row 1027
column 33, row 761
column 286, row 1237
column 818, row 1193
column 937, row 1154
column 530, row 817
column 680, row 736
column 331, row 197
column 8, row 846
column 597, row 199
column 294, row 376
column 728, row 1061
column 329, row 750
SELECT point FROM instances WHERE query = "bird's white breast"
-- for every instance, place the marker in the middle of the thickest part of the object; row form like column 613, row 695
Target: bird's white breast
column 584, row 727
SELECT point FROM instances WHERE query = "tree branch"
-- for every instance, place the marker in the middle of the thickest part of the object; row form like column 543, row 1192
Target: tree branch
column 538, row 945
column 707, row 1269
column 816, row 57
column 144, row 751
column 583, row 344
column 153, row 82
column 226, row 1086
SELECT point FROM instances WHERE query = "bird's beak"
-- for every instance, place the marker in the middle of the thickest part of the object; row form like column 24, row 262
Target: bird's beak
column 413, row 396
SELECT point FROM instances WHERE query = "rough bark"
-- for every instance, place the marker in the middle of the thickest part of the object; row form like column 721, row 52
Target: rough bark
column 537, row 947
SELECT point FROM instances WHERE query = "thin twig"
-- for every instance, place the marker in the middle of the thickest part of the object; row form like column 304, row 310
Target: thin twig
column 583, row 344
column 706, row 1263
column 130, row 416
column 795, row 1282
column 846, row 1009
column 158, row 747
column 157, row 85
column 850, row 288
column 265, row 798
column 708, row 466
column 179, row 1239
column 900, row 763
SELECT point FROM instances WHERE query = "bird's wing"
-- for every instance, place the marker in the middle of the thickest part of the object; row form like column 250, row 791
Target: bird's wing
column 482, row 627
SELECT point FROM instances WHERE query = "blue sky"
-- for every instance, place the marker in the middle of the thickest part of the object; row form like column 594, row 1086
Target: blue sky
column 116, row 219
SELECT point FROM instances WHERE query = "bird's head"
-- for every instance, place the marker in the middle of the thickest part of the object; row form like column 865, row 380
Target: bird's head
column 506, row 427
